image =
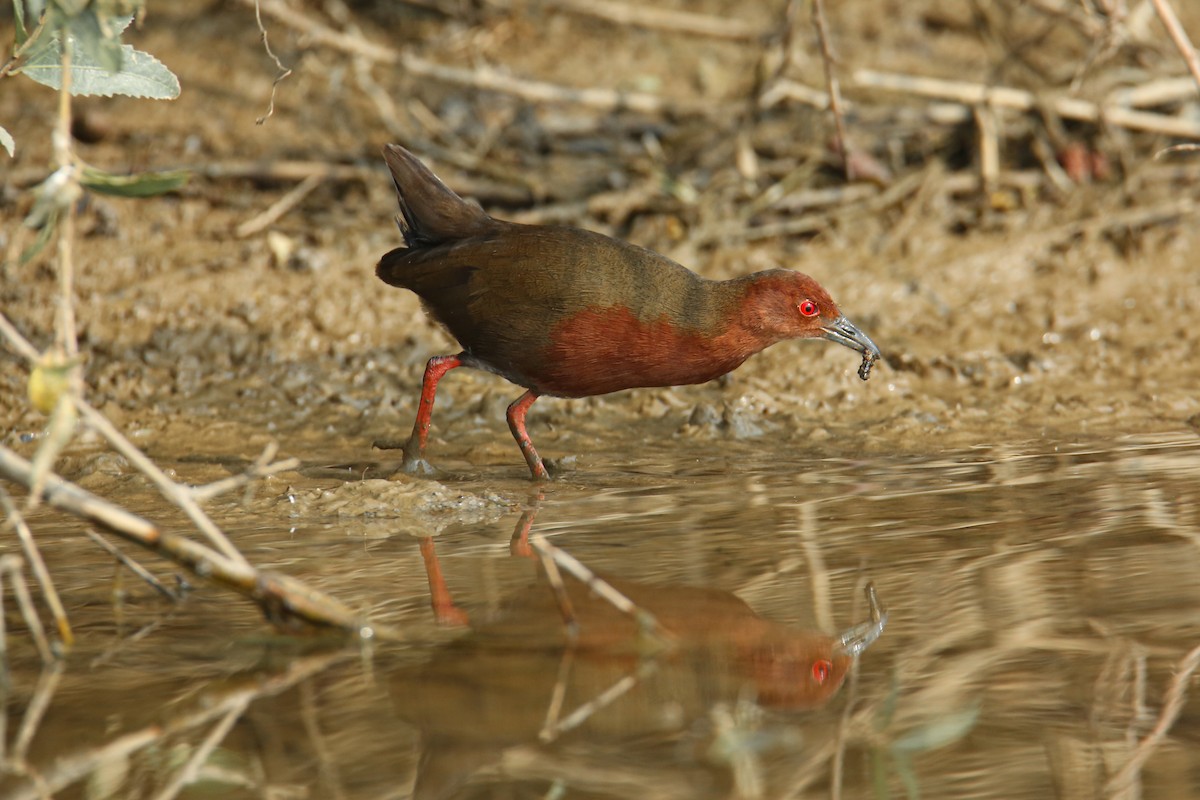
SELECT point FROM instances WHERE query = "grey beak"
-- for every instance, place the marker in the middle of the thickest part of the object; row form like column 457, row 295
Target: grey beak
column 861, row 636
column 844, row 332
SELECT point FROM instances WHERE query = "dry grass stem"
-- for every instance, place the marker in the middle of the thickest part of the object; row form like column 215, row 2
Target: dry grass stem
column 134, row 567
column 263, row 467
column 13, row 567
column 972, row 94
column 598, row 703
column 172, row 491
column 1179, row 37
column 280, row 207
column 65, row 321
column 554, row 578
column 646, row 621
column 35, row 711
column 284, row 72
column 187, row 773
column 831, row 87
column 38, row 565
column 18, row 342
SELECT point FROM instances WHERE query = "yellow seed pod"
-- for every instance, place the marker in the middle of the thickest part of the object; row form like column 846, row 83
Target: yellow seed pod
column 48, row 381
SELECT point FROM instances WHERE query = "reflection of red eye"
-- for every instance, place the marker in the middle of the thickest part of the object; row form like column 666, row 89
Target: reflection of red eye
column 808, row 308
column 821, row 670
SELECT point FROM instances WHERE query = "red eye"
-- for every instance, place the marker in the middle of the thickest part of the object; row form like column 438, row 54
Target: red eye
column 821, row 670
column 808, row 308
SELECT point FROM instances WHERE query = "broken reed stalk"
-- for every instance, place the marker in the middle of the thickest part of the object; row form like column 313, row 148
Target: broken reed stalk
column 281, row 597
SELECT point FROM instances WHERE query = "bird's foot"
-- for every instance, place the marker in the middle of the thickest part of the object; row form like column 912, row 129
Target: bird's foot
column 413, row 463
column 416, row 465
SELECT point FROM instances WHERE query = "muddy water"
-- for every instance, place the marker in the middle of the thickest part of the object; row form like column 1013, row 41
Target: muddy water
column 1039, row 597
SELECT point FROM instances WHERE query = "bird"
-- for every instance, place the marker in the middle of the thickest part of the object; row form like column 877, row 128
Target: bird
column 566, row 312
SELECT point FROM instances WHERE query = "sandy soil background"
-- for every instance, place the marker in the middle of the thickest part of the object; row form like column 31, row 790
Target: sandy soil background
column 1001, row 315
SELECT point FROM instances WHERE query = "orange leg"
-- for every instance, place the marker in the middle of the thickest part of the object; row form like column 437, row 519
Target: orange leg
column 414, row 449
column 516, row 424
column 518, row 545
column 444, row 610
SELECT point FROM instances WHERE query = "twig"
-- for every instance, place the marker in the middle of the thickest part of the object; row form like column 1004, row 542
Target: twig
column 187, row 773
column 1179, row 36
column 285, row 170
column 1153, row 93
column 134, row 567
column 831, row 87
column 43, row 693
column 583, row 713
column 653, row 18
column 565, row 607
column 785, row 89
column 15, row 60
column 19, row 342
column 12, row 565
column 1177, row 148
column 971, row 94
column 65, row 333
column 1173, row 703
column 989, row 147
column 172, row 491
column 646, row 621
column 559, row 693
column 327, row 769
column 284, row 72
column 30, row 548
column 279, row 596
column 261, row 468
column 280, row 207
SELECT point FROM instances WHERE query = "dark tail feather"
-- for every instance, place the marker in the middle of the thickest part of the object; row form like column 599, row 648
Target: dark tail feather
column 431, row 212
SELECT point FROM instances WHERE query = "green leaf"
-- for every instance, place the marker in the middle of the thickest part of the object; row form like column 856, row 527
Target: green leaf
column 100, row 64
column 939, row 733
column 6, row 141
column 19, row 32
column 45, row 231
column 96, row 40
column 146, row 184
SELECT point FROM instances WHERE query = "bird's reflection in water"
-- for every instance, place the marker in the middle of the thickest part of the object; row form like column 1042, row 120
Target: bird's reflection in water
column 517, row 693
